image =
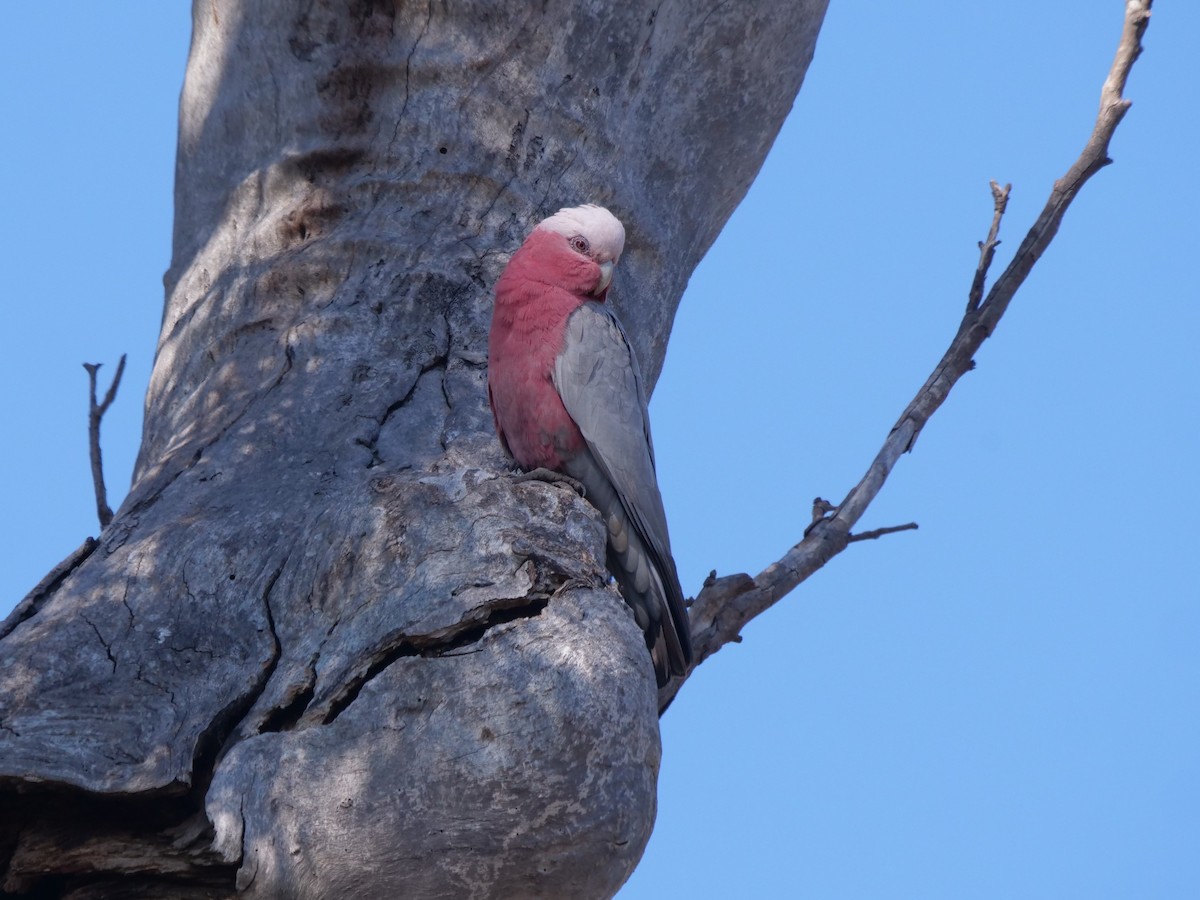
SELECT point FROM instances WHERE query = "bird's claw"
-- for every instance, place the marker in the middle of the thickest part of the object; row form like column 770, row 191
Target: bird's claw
column 552, row 477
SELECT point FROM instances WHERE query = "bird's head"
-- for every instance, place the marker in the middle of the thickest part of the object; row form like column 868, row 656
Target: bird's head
column 592, row 232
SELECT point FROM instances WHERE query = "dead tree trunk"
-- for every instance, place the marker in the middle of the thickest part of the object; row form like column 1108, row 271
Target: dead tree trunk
column 327, row 647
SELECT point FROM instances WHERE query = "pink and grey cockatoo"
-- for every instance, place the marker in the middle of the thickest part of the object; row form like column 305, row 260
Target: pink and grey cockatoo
column 567, row 396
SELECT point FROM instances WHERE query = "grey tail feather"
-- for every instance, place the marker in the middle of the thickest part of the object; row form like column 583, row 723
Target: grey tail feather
column 655, row 595
column 648, row 580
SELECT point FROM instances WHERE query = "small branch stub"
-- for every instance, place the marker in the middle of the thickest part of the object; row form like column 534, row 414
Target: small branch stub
column 96, row 412
column 820, row 508
column 876, row 533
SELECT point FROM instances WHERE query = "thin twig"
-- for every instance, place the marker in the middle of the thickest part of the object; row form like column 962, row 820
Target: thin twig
column 987, row 248
column 96, row 412
column 726, row 604
column 822, row 507
column 876, row 533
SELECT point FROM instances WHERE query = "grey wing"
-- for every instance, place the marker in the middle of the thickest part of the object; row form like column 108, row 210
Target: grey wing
column 597, row 377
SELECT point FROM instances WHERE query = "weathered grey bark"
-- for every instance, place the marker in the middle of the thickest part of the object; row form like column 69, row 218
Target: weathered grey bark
column 326, row 647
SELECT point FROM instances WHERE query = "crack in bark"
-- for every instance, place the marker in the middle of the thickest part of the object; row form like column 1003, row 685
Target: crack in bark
column 103, row 643
column 512, row 161
column 438, row 644
column 371, row 442
column 708, row 15
column 137, row 571
column 140, row 676
column 408, row 67
column 213, row 742
column 286, row 717
column 553, row 182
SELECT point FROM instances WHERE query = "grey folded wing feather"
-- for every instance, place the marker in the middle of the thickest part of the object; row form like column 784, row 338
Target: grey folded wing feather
column 598, row 379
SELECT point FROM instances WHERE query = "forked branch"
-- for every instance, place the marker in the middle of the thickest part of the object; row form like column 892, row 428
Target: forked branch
column 96, row 412
column 726, row 604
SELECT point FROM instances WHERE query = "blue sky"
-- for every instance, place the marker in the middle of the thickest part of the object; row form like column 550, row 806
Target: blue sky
column 1002, row 704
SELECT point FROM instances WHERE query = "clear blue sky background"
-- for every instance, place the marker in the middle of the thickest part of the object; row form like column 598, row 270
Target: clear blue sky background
column 1003, row 704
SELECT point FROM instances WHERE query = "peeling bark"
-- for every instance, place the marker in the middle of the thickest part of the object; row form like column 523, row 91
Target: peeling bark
column 327, row 646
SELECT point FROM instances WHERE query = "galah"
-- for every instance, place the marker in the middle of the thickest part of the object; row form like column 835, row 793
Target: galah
column 567, row 396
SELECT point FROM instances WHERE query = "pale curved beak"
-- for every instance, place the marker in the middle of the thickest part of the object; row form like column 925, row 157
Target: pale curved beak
column 606, row 270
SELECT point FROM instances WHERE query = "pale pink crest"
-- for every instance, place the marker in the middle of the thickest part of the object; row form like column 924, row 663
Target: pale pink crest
column 603, row 231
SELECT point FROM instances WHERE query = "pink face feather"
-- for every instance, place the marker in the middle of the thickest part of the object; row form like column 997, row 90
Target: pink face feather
column 566, row 261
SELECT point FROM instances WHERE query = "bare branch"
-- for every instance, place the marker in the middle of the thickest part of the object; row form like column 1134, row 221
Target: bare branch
column 726, row 604
column 987, row 248
column 876, row 533
column 96, row 412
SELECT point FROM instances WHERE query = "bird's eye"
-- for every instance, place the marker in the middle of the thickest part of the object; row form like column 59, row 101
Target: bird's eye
column 579, row 244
